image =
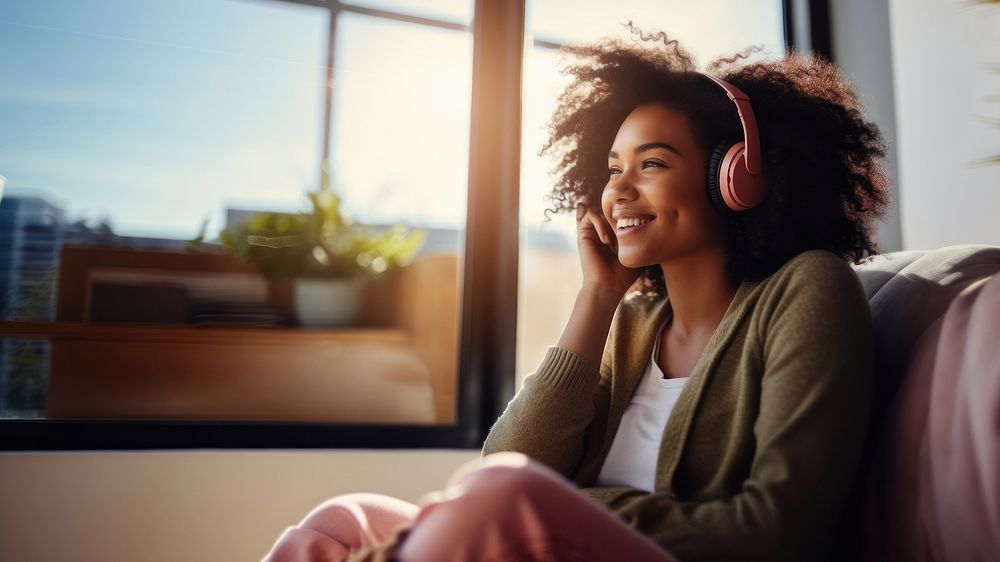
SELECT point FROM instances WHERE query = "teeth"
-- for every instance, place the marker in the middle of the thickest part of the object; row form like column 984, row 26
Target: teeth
column 631, row 221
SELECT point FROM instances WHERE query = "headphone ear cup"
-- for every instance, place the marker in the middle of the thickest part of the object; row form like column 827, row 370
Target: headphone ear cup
column 715, row 175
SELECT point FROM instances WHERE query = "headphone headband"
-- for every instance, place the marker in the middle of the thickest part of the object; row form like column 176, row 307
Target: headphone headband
column 750, row 135
column 735, row 168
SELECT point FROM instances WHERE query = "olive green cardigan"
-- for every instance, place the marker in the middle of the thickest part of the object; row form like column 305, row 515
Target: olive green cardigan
column 759, row 452
column 760, row 449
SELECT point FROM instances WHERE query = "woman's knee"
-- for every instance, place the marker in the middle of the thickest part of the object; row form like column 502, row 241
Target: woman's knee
column 503, row 498
column 505, row 476
column 348, row 517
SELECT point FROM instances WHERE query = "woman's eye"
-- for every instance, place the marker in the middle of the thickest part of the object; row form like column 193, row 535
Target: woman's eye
column 653, row 162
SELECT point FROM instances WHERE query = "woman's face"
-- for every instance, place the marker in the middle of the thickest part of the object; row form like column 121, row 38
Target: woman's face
column 655, row 198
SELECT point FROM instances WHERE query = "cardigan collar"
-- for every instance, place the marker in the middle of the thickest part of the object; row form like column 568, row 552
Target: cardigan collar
column 630, row 371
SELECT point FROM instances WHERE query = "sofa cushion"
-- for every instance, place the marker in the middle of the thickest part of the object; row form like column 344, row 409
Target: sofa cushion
column 907, row 292
column 963, row 437
column 918, row 353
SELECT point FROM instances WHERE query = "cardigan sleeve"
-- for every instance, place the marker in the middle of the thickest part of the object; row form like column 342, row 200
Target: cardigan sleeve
column 815, row 398
column 551, row 416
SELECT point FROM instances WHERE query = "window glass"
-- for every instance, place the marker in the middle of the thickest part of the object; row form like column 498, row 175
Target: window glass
column 456, row 11
column 549, row 268
column 400, row 136
column 131, row 127
column 154, row 115
column 707, row 28
column 399, row 149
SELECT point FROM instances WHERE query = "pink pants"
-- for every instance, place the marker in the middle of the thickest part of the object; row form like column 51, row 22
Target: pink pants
column 507, row 508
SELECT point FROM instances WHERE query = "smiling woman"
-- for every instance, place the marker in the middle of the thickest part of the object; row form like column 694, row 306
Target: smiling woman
column 723, row 402
column 547, row 241
column 818, row 200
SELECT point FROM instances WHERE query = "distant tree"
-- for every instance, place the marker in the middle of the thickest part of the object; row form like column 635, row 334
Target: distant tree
column 26, row 361
column 27, row 377
column 35, row 302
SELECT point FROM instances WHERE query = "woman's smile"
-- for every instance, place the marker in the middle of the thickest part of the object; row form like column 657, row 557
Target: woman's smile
column 628, row 227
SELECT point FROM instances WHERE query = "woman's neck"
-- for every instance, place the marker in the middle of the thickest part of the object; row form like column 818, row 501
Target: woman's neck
column 700, row 293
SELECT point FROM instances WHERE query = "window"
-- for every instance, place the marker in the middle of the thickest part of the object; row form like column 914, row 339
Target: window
column 131, row 127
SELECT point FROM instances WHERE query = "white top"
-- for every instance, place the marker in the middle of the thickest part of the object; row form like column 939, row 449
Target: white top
column 633, row 456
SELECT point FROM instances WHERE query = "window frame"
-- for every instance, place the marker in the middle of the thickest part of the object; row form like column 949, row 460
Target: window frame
column 488, row 325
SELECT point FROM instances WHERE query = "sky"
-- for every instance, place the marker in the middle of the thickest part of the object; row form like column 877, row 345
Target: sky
column 157, row 114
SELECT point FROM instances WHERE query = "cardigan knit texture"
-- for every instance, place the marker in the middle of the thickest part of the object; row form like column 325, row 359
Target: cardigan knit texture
column 758, row 456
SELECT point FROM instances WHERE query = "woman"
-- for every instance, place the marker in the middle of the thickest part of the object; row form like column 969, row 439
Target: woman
column 717, row 411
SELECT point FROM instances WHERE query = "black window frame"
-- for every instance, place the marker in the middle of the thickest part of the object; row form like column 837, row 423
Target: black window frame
column 488, row 326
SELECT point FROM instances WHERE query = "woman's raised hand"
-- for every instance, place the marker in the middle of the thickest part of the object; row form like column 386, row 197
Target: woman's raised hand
column 602, row 272
column 605, row 281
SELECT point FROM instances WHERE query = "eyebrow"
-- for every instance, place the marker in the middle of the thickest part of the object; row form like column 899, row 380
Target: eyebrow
column 649, row 146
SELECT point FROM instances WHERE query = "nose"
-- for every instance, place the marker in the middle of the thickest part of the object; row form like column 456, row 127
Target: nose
column 621, row 187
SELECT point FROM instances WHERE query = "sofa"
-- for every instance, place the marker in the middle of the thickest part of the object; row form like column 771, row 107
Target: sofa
column 928, row 487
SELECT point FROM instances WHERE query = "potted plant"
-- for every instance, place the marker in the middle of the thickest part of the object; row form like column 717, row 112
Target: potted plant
column 327, row 257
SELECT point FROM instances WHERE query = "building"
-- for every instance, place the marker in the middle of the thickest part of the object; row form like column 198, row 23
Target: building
column 32, row 234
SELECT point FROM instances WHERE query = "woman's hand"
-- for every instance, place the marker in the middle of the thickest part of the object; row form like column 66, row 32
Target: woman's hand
column 605, row 281
column 602, row 272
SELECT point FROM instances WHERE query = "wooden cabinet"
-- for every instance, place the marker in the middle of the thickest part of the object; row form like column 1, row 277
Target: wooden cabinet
column 398, row 366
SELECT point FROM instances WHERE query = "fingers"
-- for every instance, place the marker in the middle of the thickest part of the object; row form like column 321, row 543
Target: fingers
column 613, row 244
column 603, row 228
column 600, row 225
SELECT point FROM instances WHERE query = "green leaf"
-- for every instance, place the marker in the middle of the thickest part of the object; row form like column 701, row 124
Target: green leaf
column 321, row 242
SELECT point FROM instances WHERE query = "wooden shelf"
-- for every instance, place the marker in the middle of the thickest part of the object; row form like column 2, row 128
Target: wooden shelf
column 398, row 366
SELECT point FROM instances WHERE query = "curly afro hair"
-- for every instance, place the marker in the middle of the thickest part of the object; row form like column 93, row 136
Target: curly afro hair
column 821, row 157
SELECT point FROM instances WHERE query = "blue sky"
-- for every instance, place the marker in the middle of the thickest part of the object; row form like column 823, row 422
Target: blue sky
column 150, row 115
column 158, row 113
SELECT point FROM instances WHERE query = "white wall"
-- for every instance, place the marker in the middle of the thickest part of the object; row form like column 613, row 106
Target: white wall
column 210, row 506
column 861, row 48
column 925, row 84
column 940, row 52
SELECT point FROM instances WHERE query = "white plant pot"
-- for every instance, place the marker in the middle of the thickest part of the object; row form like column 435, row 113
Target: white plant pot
column 325, row 303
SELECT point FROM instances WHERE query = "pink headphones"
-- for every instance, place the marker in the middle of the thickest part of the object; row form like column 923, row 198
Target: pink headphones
column 735, row 168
